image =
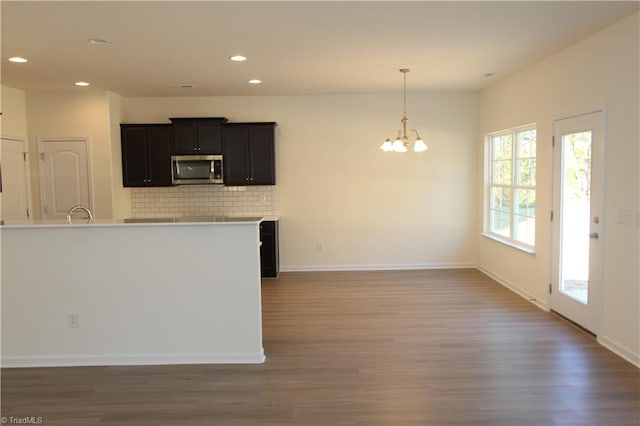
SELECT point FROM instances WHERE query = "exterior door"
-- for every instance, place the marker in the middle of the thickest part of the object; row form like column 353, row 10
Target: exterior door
column 64, row 171
column 578, row 225
column 14, row 180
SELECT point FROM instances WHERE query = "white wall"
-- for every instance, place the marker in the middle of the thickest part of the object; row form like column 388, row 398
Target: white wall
column 120, row 196
column 599, row 72
column 138, row 303
column 81, row 113
column 13, row 105
column 370, row 209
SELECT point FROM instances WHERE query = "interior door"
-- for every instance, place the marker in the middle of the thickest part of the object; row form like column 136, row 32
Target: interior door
column 578, row 225
column 14, row 192
column 64, row 171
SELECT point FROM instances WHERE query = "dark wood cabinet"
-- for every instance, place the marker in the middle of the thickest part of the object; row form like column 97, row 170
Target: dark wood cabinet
column 269, row 257
column 197, row 135
column 146, row 154
column 249, row 153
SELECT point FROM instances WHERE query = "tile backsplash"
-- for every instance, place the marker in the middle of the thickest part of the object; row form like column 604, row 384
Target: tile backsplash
column 204, row 200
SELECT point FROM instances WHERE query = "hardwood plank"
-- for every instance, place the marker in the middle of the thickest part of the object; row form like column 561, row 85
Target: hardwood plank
column 435, row 347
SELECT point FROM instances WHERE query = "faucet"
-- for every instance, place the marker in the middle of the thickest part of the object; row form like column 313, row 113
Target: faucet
column 79, row 207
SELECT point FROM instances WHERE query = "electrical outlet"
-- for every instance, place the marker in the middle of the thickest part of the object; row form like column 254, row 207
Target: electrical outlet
column 73, row 320
column 320, row 246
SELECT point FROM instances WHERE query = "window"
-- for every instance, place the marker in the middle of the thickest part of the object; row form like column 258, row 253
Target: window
column 510, row 213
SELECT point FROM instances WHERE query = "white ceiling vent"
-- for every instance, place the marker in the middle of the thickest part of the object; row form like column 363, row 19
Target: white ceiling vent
column 180, row 86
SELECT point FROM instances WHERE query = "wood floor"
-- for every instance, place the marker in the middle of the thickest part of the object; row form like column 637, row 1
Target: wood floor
column 440, row 347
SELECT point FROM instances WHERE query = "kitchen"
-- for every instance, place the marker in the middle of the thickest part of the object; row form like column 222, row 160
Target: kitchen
column 345, row 205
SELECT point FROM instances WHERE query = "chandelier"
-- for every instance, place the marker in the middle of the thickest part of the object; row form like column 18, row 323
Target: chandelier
column 401, row 142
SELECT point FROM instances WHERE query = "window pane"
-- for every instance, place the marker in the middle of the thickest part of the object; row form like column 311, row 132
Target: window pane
column 499, row 223
column 501, row 147
column 524, row 218
column 502, row 172
column 526, row 172
column 525, row 229
column 526, row 144
column 501, row 199
column 525, row 202
column 533, row 143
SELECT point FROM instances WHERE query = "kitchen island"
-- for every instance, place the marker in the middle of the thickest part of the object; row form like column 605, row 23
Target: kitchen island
column 131, row 292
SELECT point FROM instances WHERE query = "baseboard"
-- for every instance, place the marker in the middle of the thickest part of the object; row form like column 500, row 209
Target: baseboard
column 516, row 289
column 614, row 347
column 377, row 267
column 621, row 351
column 122, row 360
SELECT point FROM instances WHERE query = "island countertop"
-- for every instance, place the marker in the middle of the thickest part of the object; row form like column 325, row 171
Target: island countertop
column 154, row 221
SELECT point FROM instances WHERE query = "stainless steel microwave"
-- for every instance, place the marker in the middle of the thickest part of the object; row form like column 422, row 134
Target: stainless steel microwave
column 196, row 169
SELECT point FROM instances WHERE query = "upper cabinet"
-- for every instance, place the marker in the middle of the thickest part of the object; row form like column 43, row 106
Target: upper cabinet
column 146, row 154
column 249, row 153
column 197, row 135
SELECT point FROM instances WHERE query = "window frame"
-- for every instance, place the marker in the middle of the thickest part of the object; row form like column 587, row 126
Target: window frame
column 512, row 187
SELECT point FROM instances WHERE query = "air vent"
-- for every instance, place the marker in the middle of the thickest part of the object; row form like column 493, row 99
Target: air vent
column 180, row 86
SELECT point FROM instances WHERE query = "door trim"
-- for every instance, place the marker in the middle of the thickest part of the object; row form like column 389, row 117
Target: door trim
column 601, row 180
column 27, row 170
column 87, row 141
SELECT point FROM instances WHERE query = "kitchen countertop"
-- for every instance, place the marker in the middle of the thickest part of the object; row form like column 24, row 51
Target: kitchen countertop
column 187, row 220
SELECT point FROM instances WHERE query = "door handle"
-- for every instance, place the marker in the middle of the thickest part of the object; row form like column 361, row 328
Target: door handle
column 594, row 235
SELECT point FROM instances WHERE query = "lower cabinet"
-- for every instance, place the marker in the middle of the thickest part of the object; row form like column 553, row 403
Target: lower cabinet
column 269, row 258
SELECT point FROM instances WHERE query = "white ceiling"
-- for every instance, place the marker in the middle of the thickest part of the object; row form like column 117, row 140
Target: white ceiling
column 295, row 48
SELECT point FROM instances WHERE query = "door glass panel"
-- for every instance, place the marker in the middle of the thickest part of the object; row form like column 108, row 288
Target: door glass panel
column 575, row 215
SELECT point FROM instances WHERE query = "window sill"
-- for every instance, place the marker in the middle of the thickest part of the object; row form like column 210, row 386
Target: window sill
column 511, row 244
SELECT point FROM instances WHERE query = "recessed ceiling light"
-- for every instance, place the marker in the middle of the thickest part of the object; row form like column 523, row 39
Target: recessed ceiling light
column 238, row 58
column 99, row 41
column 18, row 59
column 81, row 83
column 255, row 81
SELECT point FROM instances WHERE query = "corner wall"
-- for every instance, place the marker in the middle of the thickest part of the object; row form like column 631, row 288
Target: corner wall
column 599, row 72
column 13, row 122
column 120, row 196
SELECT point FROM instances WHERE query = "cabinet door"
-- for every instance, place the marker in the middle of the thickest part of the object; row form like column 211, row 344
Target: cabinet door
column 185, row 139
column 209, row 138
column 236, row 156
column 269, row 262
column 134, row 156
column 159, row 155
column 261, row 156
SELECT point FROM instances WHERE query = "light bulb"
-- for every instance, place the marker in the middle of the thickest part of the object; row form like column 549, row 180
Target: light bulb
column 387, row 146
column 420, row 146
column 398, row 146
